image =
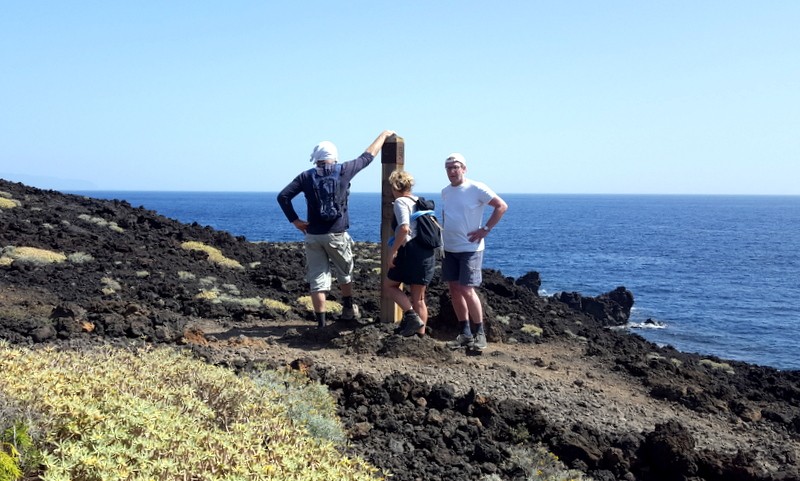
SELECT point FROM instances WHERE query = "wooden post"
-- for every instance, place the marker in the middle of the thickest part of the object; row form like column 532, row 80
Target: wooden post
column 392, row 158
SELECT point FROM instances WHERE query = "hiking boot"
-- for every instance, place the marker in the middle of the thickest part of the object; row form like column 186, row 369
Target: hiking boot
column 350, row 313
column 461, row 342
column 480, row 341
column 412, row 324
column 402, row 326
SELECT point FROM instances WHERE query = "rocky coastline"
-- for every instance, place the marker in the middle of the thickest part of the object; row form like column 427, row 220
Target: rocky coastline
column 79, row 271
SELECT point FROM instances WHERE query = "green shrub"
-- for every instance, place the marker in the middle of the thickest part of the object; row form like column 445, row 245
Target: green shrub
column 110, row 413
column 18, row 454
column 307, row 401
column 186, row 276
column 80, row 258
column 9, row 465
column 540, row 464
column 101, row 222
column 718, row 366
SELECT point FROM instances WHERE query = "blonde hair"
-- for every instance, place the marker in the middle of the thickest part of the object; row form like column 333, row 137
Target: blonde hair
column 401, row 181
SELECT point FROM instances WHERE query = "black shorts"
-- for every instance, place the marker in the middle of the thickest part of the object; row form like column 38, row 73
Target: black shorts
column 413, row 265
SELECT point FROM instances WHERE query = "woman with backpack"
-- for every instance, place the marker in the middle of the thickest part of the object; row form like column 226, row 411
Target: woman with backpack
column 411, row 261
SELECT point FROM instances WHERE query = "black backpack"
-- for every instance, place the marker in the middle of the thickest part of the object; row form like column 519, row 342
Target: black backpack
column 326, row 189
column 429, row 231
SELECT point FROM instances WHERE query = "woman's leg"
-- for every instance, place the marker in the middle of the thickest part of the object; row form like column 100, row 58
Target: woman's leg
column 419, row 304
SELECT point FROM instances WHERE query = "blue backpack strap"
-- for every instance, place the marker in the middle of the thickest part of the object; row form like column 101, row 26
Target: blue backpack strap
column 418, row 213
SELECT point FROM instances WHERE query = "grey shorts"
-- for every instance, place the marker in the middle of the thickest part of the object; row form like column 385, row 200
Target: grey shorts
column 328, row 254
column 464, row 267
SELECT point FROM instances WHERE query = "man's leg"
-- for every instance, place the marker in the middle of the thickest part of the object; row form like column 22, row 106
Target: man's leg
column 459, row 300
column 318, row 276
column 318, row 301
column 340, row 251
column 473, row 304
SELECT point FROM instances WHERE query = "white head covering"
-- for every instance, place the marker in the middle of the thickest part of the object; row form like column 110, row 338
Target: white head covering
column 325, row 150
column 456, row 157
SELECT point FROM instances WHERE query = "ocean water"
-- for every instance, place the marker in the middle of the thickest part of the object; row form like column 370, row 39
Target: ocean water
column 719, row 275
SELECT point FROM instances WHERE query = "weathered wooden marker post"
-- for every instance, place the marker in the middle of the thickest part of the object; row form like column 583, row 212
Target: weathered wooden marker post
column 392, row 158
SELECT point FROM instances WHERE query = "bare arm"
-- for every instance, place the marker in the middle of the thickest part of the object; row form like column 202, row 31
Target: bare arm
column 377, row 144
column 399, row 240
column 500, row 208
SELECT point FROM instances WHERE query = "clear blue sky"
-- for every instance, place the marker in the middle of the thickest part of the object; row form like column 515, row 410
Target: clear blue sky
column 675, row 97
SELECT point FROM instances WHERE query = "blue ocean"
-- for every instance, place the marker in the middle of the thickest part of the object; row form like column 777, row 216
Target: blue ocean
column 716, row 275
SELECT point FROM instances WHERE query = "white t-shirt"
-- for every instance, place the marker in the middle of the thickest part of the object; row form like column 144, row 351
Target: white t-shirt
column 403, row 208
column 462, row 212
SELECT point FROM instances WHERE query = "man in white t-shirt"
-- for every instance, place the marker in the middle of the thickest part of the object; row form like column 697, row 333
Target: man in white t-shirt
column 463, row 203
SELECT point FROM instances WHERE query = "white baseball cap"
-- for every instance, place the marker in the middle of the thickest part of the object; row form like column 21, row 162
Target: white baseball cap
column 456, row 157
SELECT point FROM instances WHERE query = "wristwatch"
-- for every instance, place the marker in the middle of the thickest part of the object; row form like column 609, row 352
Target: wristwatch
column 485, row 228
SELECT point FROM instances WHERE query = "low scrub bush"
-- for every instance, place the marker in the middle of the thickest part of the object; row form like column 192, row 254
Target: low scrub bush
column 214, row 254
column 109, row 413
column 276, row 305
column 8, row 203
column 101, row 222
column 32, row 255
column 540, row 464
column 718, row 366
column 80, row 258
column 332, row 307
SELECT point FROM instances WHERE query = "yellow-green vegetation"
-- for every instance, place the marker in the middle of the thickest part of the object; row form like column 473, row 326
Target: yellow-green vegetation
column 5, row 194
column 541, row 465
column 214, row 254
column 79, row 258
column 330, row 306
column 8, row 203
column 10, row 469
column 101, row 222
column 186, row 276
column 276, row 305
column 110, row 413
column 719, row 366
column 208, row 295
column 215, row 296
column 230, row 294
column 17, row 451
column 33, row 255
column 532, row 329
column 110, row 286
column 306, row 401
